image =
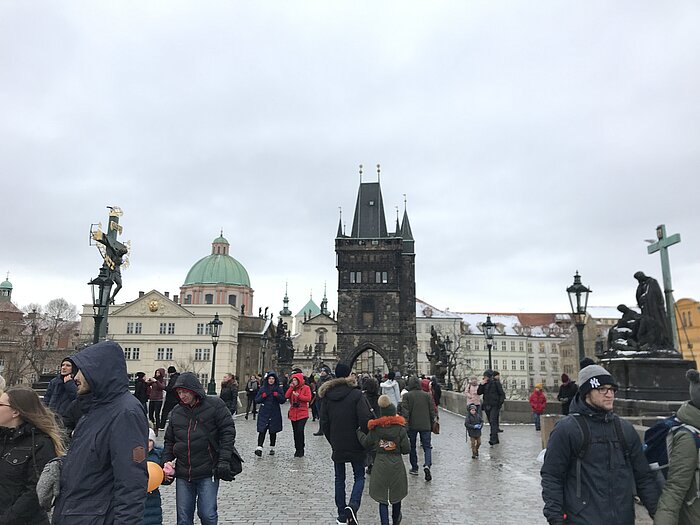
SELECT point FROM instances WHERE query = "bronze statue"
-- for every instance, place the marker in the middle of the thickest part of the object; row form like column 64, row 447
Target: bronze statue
column 650, row 299
column 113, row 251
column 438, row 356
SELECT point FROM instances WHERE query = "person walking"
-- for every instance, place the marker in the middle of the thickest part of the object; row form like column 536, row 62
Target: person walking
column 29, row 439
column 141, row 389
column 153, row 511
column 494, row 397
column 538, row 402
column 594, row 462
column 344, row 409
column 418, row 408
column 390, row 388
column 229, row 392
column 388, row 484
column 103, row 475
column 270, row 397
column 679, row 503
column 156, row 386
column 324, row 375
column 312, row 404
column 251, row 390
column 471, row 391
column 473, row 424
column 299, row 395
column 62, row 390
column 199, row 440
column 171, row 399
column 567, row 391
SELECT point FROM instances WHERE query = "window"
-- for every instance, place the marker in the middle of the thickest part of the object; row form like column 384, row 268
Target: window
column 469, row 363
column 137, row 328
column 523, row 384
column 555, row 347
column 163, row 327
column 468, row 344
column 529, row 347
column 129, row 328
column 555, row 363
column 568, row 369
column 203, row 329
column 512, row 364
column 202, row 354
column 521, row 346
column 476, row 345
column 522, row 364
column 486, row 363
column 556, row 382
column 132, row 354
column 367, row 313
column 188, row 299
column 203, row 378
column 355, row 277
column 503, row 345
column 541, row 346
column 514, row 383
column 171, row 328
column 381, row 277
column 164, row 354
column 512, row 346
column 505, row 364
column 209, row 298
column 232, row 300
column 530, row 363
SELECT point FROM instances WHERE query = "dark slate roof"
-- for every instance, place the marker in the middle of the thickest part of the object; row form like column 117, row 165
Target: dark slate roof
column 369, row 221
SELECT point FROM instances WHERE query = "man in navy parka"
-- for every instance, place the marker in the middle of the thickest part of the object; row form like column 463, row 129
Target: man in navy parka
column 104, row 478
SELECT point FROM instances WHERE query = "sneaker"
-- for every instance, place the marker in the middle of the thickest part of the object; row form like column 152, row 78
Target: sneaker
column 319, row 433
column 340, row 522
column 428, row 475
column 473, row 456
column 246, row 416
column 398, row 519
column 352, row 517
column 413, row 472
column 258, row 452
column 500, row 430
column 272, row 451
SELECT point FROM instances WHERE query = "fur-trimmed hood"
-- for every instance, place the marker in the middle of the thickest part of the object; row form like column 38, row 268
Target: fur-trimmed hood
column 333, row 387
column 386, row 421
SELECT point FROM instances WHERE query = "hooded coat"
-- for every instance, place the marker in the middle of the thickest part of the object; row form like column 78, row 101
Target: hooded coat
column 104, row 476
column 343, row 410
column 198, row 436
column 607, row 477
column 23, row 453
column 566, row 394
column 299, row 404
column 60, row 394
column 157, row 386
column 418, row 407
column 390, row 388
column 229, row 394
column 681, row 484
column 388, row 436
column 270, row 397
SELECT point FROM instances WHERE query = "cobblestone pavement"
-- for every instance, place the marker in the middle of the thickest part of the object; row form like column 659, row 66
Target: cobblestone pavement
column 501, row 487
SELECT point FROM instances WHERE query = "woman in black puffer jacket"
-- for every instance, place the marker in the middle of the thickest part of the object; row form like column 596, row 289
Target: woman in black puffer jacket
column 29, row 438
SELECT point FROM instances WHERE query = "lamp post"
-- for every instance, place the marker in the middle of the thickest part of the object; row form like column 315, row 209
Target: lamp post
column 578, row 299
column 100, row 287
column 489, row 330
column 215, row 328
column 448, row 345
column 264, row 341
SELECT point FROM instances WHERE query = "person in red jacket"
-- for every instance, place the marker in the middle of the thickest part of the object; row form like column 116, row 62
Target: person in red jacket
column 537, row 402
column 299, row 395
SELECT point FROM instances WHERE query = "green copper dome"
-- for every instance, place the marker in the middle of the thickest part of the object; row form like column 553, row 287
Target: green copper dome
column 6, row 285
column 218, row 268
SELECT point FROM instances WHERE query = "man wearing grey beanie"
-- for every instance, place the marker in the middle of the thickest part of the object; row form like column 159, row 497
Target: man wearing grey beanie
column 594, row 460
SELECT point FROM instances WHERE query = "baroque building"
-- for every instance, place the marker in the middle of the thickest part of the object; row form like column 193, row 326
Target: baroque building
column 376, row 285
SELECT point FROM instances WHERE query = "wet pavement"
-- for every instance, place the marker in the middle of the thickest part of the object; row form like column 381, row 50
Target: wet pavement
column 501, row 487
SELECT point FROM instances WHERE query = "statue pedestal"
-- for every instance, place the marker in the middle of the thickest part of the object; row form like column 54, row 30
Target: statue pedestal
column 650, row 378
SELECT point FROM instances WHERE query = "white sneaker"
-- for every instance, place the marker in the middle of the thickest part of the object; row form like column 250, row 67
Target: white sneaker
column 258, row 451
column 272, row 451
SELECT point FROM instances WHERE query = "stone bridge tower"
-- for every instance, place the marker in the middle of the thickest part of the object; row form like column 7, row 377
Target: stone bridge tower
column 376, row 285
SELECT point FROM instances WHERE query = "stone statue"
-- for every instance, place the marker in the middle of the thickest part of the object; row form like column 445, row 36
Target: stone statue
column 650, row 300
column 437, row 356
column 626, row 329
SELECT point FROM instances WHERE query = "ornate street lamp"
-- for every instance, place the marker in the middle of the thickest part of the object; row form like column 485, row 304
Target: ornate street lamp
column 578, row 299
column 448, row 345
column 215, row 329
column 489, row 330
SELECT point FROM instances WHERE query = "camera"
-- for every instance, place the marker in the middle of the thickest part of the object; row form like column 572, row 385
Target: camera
column 296, row 405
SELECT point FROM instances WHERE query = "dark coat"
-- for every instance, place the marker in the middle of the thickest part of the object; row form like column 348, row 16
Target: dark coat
column 104, row 476
column 473, row 423
column 23, row 453
column 607, row 477
column 418, row 407
column 229, row 394
column 371, row 390
column 388, row 483
column 75, row 411
column 170, row 395
column 269, row 411
column 60, row 394
column 153, row 512
column 141, row 390
column 192, row 429
column 566, row 395
column 344, row 408
column 493, row 394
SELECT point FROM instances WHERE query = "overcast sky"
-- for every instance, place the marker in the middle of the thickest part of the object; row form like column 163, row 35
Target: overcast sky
column 532, row 139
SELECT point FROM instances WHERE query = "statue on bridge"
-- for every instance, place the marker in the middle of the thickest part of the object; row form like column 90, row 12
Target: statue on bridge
column 438, row 356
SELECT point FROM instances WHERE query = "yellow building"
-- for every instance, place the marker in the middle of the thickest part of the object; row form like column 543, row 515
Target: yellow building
column 688, row 323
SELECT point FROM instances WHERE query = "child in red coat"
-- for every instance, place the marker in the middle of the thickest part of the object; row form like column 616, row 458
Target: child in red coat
column 538, row 401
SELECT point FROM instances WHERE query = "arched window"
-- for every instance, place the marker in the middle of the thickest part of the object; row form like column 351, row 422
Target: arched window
column 209, row 298
column 232, row 300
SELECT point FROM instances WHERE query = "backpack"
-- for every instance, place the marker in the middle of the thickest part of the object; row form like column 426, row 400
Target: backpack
column 658, row 440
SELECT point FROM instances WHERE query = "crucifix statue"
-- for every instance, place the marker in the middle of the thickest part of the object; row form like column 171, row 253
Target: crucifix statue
column 112, row 250
column 661, row 246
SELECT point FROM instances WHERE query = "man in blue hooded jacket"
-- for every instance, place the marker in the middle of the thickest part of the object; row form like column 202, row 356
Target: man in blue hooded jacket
column 104, row 478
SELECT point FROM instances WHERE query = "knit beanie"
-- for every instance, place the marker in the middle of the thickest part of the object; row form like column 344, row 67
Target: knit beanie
column 592, row 377
column 586, row 361
column 694, row 379
column 172, row 370
column 386, row 407
column 342, row 370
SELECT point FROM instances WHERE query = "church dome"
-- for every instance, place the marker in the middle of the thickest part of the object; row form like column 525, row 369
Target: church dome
column 218, row 268
column 6, row 285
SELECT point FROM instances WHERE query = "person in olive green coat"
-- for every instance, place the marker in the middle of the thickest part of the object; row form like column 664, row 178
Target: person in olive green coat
column 682, row 483
column 388, row 483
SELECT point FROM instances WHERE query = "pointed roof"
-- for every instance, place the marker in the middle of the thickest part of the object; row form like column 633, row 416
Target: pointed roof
column 407, row 234
column 310, row 306
column 369, row 221
column 340, row 227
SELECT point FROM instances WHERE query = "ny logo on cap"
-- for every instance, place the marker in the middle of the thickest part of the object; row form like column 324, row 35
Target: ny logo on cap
column 594, row 382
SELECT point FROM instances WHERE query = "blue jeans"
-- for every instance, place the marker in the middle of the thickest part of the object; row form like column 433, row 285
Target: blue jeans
column 425, row 443
column 358, row 471
column 200, row 491
column 536, row 417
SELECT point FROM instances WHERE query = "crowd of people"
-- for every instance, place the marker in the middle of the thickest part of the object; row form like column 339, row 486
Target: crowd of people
column 81, row 455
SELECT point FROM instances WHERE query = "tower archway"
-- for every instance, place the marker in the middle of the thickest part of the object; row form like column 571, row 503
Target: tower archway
column 367, row 357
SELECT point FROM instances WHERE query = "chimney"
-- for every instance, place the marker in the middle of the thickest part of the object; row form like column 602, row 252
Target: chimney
column 167, row 295
column 141, row 293
column 176, row 299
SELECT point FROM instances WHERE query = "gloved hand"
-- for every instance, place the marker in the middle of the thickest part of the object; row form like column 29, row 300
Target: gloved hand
column 555, row 521
column 264, row 395
column 274, row 394
column 223, row 471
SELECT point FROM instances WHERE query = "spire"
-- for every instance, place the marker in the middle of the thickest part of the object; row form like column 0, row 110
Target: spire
column 324, row 301
column 285, row 311
column 406, row 233
column 340, row 223
column 397, row 230
column 369, row 221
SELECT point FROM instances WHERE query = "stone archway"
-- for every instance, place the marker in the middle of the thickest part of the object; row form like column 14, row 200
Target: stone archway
column 367, row 357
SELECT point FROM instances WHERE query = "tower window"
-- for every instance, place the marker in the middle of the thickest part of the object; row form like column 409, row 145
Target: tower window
column 367, row 313
column 209, row 298
column 381, row 277
column 355, row 277
column 232, row 300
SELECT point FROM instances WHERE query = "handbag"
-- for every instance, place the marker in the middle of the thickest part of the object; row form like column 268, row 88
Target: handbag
column 235, row 462
column 436, row 427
